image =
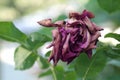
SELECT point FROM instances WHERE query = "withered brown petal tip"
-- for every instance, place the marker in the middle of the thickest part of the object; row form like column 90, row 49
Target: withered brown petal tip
column 74, row 15
column 59, row 23
column 89, row 14
column 46, row 22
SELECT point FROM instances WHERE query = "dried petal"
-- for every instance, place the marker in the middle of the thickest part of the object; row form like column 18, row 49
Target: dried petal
column 66, row 45
column 75, row 15
column 87, row 40
column 60, row 23
column 46, row 23
column 88, row 14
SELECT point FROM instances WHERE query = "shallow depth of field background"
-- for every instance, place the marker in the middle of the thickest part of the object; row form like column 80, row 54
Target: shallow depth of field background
column 26, row 13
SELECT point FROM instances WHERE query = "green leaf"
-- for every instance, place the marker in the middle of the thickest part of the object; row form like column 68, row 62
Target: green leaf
column 70, row 75
column 113, row 52
column 113, row 35
column 59, row 72
column 36, row 40
column 9, row 32
column 47, row 54
column 46, row 73
column 46, row 31
column 43, row 62
column 109, row 5
column 24, row 58
column 111, row 72
column 118, row 46
column 88, row 68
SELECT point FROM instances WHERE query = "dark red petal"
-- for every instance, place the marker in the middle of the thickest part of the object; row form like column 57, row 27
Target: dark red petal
column 95, row 36
column 75, row 15
column 96, row 27
column 89, row 53
column 66, row 45
column 69, row 56
column 89, row 25
column 60, row 23
column 87, row 40
column 88, row 14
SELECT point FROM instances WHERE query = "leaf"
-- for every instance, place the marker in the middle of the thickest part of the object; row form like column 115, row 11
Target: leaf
column 59, row 72
column 46, row 31
column 113, row 35
column 24, row 58
column 47, row 54
column 113, row 52
column 36, row 40
column 88, row 68
column 111, row 72
column 46, row 73
column 9, row 32
column 70, row 75
column 118, row 46
column 43, row 62
column 109, row 5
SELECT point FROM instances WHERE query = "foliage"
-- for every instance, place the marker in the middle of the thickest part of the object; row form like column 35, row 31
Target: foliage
column 24, row 58
column 110, row 5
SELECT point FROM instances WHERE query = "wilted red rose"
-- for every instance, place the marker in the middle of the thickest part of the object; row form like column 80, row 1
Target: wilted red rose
column 72, row 36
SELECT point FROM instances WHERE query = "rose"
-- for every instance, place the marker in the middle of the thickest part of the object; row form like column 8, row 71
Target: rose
column 72, row 36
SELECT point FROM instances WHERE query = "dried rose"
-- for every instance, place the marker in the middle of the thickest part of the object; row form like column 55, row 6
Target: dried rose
column 72, row 36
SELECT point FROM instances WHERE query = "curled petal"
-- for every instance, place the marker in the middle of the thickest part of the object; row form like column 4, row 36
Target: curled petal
column 96, row 27
column 57, row 39
column 52, row 44
column 66, row 45
column 68, row 57
column 51, row 56
column 89, row 24
column 91, row 46
column 60, row 23
column 89, row 53
column 55, row 33
column 75, row 15
column 76, row 48
column 46, row 23
column 88, row 14
column 95, row 37
column 81, row 31
column 88, row 39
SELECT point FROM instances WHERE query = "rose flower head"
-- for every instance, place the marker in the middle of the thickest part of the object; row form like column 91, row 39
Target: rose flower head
column 72, row 36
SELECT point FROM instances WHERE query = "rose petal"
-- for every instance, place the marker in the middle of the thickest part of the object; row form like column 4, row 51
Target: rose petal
column 60, row 23
column 96, row 27
column 95, row 36
column 46, row 23
column 89, row 53
column 89, row 24
column 88, row 39
column 88, row 14
column 66, row 45
column 75, row 15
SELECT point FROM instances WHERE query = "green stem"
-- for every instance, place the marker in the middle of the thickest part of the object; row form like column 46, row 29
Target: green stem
column 53, row 71
column 85, row 75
